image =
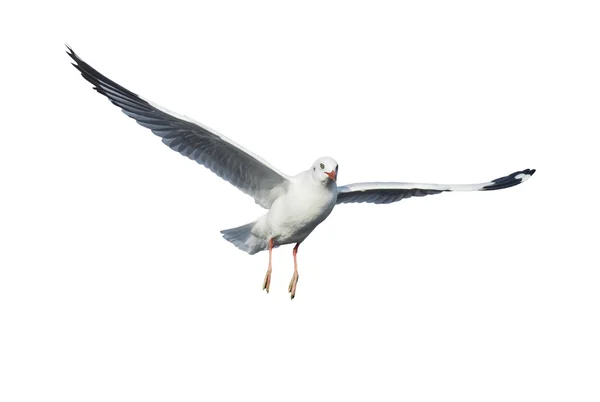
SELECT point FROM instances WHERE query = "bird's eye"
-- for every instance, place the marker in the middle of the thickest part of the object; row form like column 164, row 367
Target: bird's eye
column 322, row 166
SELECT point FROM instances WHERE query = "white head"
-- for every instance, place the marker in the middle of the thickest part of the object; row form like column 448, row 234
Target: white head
column 325, row 170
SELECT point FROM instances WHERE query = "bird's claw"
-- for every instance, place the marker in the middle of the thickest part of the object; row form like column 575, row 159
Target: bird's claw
column 292, row 287
column 267, row 281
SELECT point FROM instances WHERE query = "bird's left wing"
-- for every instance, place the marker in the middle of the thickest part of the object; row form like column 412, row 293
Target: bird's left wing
column 386, row 193
column 230, row 161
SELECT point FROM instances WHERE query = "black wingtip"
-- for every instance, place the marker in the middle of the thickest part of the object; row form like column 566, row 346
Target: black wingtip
column 96, row 78
column 73, row 55
column 70, row 51
column 510, row 180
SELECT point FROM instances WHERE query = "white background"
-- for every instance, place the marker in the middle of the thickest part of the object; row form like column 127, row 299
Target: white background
column 115, row 284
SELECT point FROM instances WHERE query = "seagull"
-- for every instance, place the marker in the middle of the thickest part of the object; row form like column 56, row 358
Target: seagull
column 296, row 204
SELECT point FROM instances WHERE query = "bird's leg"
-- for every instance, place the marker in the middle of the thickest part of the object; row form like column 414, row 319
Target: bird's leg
column 267, row 281
column 294, row 281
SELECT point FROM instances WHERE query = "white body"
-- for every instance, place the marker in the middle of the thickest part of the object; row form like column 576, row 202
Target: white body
column 296, row 214
column 302, row 204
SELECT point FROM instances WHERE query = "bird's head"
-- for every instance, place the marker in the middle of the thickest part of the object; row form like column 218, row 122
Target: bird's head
column 325, row 170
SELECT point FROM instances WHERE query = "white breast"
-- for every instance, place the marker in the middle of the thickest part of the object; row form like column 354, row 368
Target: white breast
column 294, row 216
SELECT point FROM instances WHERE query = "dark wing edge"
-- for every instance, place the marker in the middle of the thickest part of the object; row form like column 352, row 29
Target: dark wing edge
column 387, row 193
column 230, row 161
column 382, row 195
column 509, row 181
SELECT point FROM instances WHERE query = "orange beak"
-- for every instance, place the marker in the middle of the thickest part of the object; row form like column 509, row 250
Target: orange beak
column 331, row 175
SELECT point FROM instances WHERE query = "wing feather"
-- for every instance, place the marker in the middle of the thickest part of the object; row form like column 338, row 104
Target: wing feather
column 387, row 193
column 230, row 161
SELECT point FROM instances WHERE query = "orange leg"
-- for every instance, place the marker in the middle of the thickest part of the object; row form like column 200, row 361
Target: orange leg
column 294, row 281
column 267, row 281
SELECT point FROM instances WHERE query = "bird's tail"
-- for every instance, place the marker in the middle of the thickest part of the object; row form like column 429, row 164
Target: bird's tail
column 242, row 238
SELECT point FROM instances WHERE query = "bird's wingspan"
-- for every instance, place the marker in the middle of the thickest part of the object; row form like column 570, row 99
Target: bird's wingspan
column 230, row 161
column 386, row 193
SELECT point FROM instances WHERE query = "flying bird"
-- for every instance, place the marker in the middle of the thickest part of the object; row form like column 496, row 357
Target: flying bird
column 296, row 204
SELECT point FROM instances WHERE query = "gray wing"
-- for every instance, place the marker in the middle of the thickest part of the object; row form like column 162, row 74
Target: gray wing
column 228, row 160
column 386, row 193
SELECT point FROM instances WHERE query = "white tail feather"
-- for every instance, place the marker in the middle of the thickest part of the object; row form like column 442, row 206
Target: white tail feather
column 242, row 238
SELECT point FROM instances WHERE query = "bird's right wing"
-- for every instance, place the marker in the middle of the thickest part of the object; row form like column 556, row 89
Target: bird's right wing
column 386, row 193
column 230, row 161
